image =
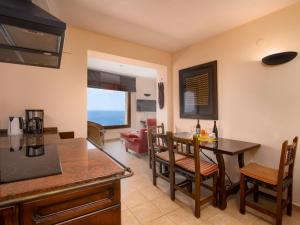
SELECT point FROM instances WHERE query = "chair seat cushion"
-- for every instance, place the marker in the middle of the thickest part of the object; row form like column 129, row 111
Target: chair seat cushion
column 165, row 156
column 261, row 173
column 206, row 168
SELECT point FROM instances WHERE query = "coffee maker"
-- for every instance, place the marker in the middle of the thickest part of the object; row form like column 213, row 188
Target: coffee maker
column 34, row 121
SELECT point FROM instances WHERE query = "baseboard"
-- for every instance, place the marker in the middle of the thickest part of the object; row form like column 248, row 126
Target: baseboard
column 112, row 139
column 296, row 206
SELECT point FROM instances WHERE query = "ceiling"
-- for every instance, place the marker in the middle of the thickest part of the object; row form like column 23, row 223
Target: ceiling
column 169, row 25
column 121, row 68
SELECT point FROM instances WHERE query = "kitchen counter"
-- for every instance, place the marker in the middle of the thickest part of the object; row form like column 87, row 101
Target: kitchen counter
column 85, row 169
column 29, row 139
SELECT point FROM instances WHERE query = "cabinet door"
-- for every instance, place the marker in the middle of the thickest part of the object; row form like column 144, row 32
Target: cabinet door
column 69, row 205
column 7, row 216
column 109, row 216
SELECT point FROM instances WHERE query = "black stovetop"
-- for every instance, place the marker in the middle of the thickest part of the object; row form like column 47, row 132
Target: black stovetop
column 28, row 162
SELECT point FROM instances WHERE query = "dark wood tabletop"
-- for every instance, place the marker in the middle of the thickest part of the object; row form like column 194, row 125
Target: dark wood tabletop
column 223, row 145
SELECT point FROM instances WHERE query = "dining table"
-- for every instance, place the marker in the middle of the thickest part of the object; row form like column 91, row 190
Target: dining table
column 221, row 147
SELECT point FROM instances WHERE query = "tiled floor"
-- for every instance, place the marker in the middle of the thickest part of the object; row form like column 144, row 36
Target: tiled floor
column 143, row 203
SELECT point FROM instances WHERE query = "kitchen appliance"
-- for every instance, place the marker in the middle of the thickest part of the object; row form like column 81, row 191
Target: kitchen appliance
column 15, row 125
column 34, row 121
column 29, row 35
column 16, row 143
column 35, row 151
column 29, row 162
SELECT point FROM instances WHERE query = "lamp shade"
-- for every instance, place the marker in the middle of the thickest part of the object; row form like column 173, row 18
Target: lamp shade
column 279, row 58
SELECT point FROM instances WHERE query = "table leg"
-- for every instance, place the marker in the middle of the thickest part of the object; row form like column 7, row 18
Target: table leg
column 241, row 160
column 222, row 193
column 222, row 190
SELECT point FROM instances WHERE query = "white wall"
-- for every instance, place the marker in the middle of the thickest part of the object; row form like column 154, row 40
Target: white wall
column 62, row 93
column 257, row 103
column 143, row 86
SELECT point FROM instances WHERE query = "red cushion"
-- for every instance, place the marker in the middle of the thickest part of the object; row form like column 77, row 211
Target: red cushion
column 151, row 122
column 128, row 135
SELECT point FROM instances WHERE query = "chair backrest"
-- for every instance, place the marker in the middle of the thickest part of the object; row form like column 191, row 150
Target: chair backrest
column 160, row 129
column 66, row 135
column 157, row 140
column 287, row 160
column 184, row 146
column 156, row 130
column 50, row 130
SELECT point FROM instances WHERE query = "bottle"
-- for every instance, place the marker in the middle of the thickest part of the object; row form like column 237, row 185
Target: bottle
column 198, row 128
column 215, row 130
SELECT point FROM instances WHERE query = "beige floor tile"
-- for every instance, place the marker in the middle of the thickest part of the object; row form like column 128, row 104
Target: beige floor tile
column 291, row 220
column 139, row 183
column 164, row 220
column 123, row 206
column 163, row 185
column 128, row 218
column 152, row 192
column 146, row 212
column 208, row 211
column 127, row 192
column 233, row 210
column 134, row 199
column 182, row 216
column 261, row 222
column 223, row 219
column 165, row 204
column 184, row 200
column 137, row 208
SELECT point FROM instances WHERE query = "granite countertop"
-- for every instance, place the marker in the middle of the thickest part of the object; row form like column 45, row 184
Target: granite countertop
column 81, row 163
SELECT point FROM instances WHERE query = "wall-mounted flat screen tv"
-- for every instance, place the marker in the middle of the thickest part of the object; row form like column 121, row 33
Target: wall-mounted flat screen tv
column 146, row 105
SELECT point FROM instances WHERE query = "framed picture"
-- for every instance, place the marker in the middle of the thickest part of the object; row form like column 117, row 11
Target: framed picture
column 198, row 92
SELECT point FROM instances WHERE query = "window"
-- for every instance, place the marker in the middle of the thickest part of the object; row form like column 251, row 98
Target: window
column 109, row 108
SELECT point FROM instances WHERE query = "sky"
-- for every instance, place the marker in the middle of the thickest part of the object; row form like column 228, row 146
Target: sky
column 105, row 100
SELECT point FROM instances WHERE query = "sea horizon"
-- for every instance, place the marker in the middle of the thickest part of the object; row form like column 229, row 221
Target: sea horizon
column 107, row 117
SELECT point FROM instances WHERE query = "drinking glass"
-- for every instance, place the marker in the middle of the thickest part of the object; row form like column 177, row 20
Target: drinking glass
column 193, row 129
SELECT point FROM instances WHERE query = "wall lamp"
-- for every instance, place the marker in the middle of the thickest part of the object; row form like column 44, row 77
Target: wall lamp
column 279, row 58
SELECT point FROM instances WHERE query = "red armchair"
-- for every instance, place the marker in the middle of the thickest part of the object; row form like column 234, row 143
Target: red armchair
column 137, row 143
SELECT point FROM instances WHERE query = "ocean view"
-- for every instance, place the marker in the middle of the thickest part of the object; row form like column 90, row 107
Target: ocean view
column 107, row 118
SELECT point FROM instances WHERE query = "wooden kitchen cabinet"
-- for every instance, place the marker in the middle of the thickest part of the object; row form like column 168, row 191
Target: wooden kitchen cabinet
column 95, row 205
column 8, row 216
column 101, row 217
column 87, row 191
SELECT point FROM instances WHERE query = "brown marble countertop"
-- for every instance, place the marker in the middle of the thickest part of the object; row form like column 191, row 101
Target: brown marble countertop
column 81, row 164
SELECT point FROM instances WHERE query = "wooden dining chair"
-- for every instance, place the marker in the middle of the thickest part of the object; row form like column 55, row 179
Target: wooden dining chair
column 277, row 180
column 160, row 156
column 158, row 129
column 50, row 130
column 66, row 135
column 193, row 168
